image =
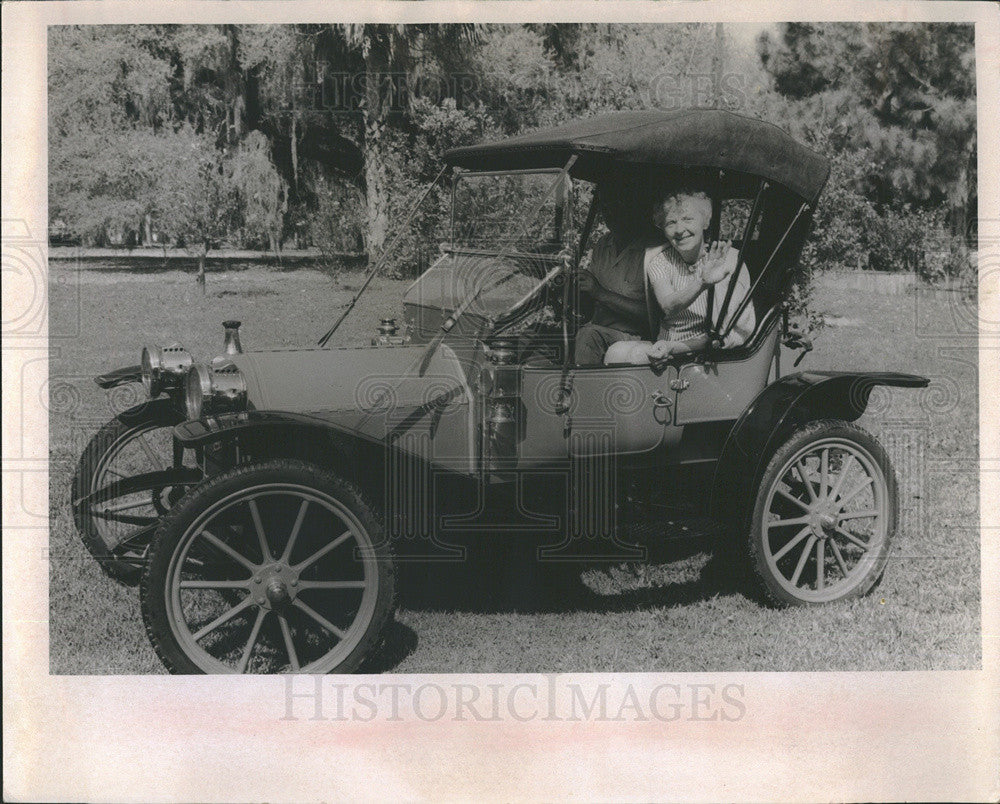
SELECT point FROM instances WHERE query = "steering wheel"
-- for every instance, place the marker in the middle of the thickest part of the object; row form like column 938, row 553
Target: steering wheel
column 505, row 320
column 522, row 305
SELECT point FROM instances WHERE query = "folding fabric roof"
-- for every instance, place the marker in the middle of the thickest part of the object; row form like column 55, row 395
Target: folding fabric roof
column 620, row 142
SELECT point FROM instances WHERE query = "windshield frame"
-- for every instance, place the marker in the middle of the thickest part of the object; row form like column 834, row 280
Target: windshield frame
column 563, row 210
column 552, row 260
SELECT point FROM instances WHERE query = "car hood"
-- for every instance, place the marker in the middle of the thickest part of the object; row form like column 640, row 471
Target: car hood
column 350, row 380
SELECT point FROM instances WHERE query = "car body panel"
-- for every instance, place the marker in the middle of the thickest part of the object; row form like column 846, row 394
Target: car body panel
column 716, row 391
column 376, row 393
column 608, row 409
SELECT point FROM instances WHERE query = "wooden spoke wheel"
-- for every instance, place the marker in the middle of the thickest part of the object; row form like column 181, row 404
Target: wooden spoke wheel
column 117, row 527
column 271, row 567
column 825, row 514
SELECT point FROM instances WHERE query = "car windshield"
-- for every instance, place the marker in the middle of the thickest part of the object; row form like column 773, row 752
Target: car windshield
column 525, row 212
column 507, row 230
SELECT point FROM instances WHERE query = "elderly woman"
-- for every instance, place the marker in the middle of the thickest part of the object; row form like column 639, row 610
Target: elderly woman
column 680, row 272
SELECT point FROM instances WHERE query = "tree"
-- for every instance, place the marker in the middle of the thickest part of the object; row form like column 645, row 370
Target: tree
column 902, row 94
column 101, row 184
column 109, row 91
column 389, row 52
column 107, row 77
column 127, row 100
column 194, row 191
column 261, row 192
column 305, row 120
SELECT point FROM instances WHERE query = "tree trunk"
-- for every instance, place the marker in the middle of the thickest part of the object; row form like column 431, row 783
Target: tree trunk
column 960, row 205
column 201, row 266
column 718, row 57
column 235, row 86
column 375, row 112
column 375, row 191
column 295, row 153
column 274, row 236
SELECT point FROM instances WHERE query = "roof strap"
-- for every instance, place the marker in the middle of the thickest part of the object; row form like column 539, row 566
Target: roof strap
column 746, row 299
column 714, row 225
column 747, row 234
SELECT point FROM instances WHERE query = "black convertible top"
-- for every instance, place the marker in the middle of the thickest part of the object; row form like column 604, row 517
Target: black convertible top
column 712, row 139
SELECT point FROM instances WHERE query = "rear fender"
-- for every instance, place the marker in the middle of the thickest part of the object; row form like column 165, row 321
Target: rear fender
column 781, row 407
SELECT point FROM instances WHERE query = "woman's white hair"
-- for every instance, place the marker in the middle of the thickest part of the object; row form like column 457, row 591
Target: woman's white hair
column 702, row 203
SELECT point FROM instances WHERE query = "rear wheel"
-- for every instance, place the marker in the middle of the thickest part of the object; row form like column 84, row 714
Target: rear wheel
column 271, row 567
column 824, row 517
column 117, row 529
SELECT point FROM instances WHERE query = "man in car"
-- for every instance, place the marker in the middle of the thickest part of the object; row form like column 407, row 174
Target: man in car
column 615, row 281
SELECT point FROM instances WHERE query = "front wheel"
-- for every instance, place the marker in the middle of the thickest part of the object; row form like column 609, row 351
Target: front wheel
column 824, row 517
column 271, row 567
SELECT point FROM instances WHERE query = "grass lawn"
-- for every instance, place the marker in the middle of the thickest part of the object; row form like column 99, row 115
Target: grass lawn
column 670, row 616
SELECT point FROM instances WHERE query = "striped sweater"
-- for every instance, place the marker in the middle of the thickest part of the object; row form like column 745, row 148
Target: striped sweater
column 663, row 265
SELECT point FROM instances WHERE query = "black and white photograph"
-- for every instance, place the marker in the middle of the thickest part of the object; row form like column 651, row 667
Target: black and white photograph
column 410, row 339
column 504, row 369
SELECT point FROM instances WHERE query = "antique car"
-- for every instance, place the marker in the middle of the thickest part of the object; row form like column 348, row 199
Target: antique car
column 264, row 499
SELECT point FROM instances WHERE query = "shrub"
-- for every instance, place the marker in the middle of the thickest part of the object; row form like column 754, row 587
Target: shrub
column 337, row 222
column 898, row 239
column 840, row 221
column 949, row 258
column 850, row 232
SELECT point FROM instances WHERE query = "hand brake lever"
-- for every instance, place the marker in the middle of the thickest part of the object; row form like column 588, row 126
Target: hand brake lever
column 806, row 346
column 796, row 339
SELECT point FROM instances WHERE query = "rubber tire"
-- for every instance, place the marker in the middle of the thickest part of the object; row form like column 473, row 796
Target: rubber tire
column 186, row 511
column 100, row 446
column 761, row 580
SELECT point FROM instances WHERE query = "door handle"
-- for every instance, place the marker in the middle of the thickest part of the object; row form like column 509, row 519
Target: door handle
column 660, row 400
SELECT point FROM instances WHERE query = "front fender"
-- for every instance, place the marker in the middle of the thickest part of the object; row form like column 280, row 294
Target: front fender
column 783, row 405
column 161, row 410
column 120, row 376
column 209, row 429
column 228, row 438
